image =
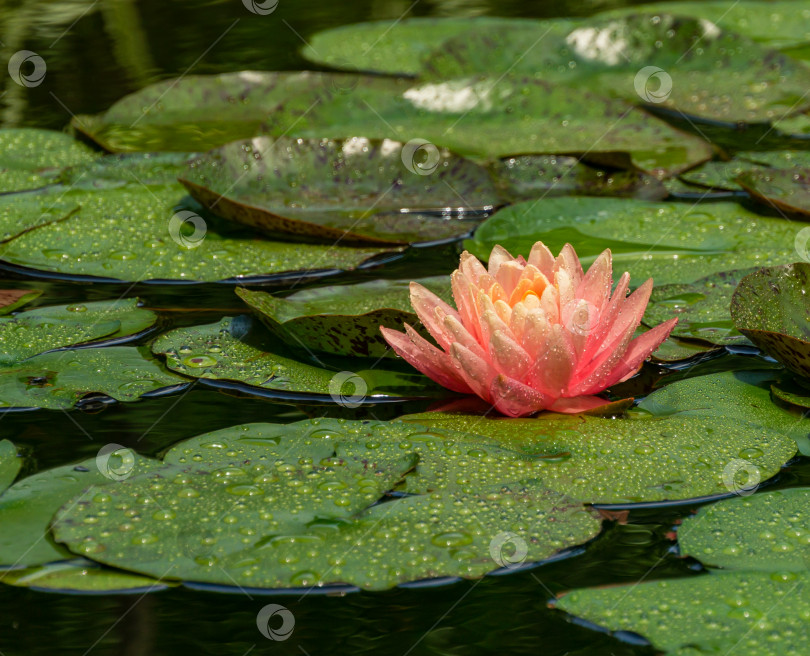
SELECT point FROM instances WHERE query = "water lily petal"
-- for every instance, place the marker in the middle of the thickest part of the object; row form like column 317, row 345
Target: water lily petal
column 575, row 404
column 542, row 258
column 431, row 311
column 513, row 398
column 476, row 372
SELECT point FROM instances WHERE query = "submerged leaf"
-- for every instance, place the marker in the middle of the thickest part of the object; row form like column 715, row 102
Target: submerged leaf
column 80, row 576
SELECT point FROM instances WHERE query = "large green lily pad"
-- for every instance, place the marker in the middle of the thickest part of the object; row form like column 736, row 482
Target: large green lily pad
column 355, row 190
column 743, row 395
column 768, row 532
column 147, row 233
column 484, row 118
column 199, row 112
column 784, row 189
column 772, row 309
column 622, row 461
column 80, row 576
column 27, row 507
column 240, row 350
column 31, row 158
column 342, row 319
column 58, row 379
column 752, row 613
column 10, row 464
column 46, row 328
column 669, row 242
column 702, row 308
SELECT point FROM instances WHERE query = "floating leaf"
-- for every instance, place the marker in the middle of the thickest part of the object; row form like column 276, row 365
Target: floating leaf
column 351, row 189
column 10, row 464
column 767, row 532
column 80, row 576
column 621, row 461
column 342, row 319
column 534, row 176
column 772, row 309
column 484, row 118
column 677, row 350
column 714, row 614
column 119, row 170
column 791, row 391
column 723, row 175
column 31, row 157
column 27, row 507
column 670, row 242
column 784, row 189
column 11, row 299
column 136, row 233
column 238, row 349
column 51, row 327
column 702, row 308
column 58, row 379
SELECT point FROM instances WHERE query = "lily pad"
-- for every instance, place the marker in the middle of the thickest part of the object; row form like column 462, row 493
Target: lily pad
column 723, row 175
column 784, row 189
column 239, row 349
column 669, row 242
column 702, row 308
column 31, row 157
column 119, row 170
column 534, row 176
column 743, row 395
column 714, row 614
column 766, row 532
column 622, row 461
column 483, row 118
column 27, row 507
column 342, row 319
column 341, row 189
column 58, row 379
column 80, row 576
column 10, row 464
column 678, row 350
column 136, row 233
column 12, row 299
column 793, row 391
column 199, row 112
column 772, row 309
column 51, row 327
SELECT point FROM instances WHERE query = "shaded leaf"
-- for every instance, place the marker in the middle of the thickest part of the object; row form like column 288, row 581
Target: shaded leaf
column 80, row 576
column 10, row 464
column 784, row 189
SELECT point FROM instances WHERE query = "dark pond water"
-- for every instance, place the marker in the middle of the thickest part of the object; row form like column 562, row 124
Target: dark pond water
column 96, row 53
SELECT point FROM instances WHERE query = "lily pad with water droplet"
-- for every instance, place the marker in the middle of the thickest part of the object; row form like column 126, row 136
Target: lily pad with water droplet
column 772, row 309
column 119, row 170
column 30, row 158
column 623, row 461
column 58, row 379
column 752, row 613
column 27, row 507
column 241, row 350
column 702, row 308
column 80, row 576
column 723, row 175
column 768, row 532
column 10, row 464
column 784, row 189
column 342, row 319
column 51, row 327
column 150, row 233
column 353, row 190
column 669, row 242
column 485, row 119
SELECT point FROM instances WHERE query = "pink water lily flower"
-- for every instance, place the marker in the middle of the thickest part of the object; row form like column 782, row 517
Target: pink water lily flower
column 531, row 335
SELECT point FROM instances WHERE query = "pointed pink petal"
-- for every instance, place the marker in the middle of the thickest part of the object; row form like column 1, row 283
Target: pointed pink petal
column 497, row 257
column 597, row 283
column 535, row 333
column 466, row 304
column 471, row 267
column 462, row 336
column 475, row 371
column 552, row 368
column 425, row 357
column 513, row 398
column 568, row 261
column 509, row 275
column 542, row 258
column 606, row 321
column 574, row 404
column 431, row 311
column 507, row 355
